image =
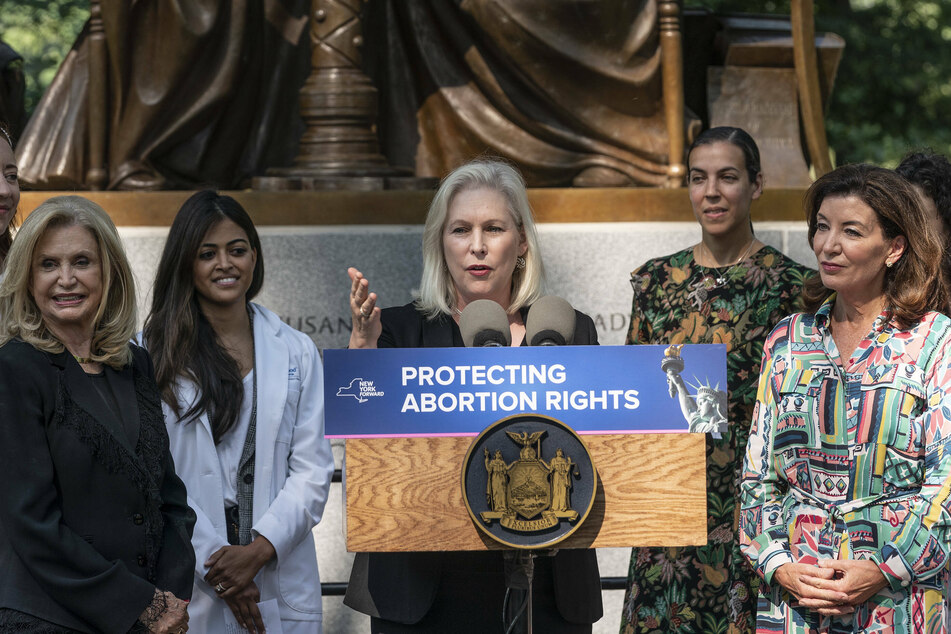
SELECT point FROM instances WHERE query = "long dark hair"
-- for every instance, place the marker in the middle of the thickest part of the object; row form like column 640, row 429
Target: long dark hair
column 182, row 342
column 6, row 238
column 913, row 285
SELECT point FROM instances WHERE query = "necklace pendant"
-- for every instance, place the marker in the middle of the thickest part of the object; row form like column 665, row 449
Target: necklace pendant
column 721, row 281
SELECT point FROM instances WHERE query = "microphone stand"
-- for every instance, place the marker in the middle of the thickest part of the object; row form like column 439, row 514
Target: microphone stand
column 519, row 575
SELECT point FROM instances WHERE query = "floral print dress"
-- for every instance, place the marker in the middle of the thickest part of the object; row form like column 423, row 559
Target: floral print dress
column 853, row 462
column 711, row 588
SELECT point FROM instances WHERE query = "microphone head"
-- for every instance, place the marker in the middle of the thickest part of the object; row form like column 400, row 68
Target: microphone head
column 551, row 322
column 484, row 323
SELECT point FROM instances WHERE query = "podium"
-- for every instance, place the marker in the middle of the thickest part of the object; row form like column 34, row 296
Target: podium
column 409, row 423
column 405, row 494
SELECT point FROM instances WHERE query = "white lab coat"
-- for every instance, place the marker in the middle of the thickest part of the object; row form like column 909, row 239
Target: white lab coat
column 293, row 467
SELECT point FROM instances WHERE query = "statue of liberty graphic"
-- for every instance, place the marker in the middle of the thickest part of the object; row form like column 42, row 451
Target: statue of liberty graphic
column 704, row 410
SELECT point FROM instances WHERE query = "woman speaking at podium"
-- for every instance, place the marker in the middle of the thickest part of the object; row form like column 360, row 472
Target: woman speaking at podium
column 479, row 242
column 732, row 289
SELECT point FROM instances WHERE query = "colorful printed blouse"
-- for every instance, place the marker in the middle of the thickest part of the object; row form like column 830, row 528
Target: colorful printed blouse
column 852, row 462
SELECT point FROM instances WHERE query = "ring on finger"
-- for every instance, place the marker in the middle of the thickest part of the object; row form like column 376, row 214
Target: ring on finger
column 220, row 588
column 365, row 314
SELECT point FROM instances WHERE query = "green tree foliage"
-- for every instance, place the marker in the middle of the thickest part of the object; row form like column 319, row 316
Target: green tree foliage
column 893, row 89
column 42, row 32
column 893, row 92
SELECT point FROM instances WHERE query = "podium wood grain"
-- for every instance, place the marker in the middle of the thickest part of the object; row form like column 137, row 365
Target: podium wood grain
column 405, row 494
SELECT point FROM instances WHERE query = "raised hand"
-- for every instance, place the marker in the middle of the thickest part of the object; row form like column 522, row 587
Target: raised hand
column 364, row 311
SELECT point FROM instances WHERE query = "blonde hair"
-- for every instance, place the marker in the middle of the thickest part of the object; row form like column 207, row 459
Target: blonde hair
column 437, row 293
column 115, row 319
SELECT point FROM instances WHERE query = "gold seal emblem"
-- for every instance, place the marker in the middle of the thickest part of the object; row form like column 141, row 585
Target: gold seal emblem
column 528, row 488
column 526, row 502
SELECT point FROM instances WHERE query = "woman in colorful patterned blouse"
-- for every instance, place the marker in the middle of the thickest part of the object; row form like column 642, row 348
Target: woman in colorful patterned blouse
column 845, row 493
column 730, row 289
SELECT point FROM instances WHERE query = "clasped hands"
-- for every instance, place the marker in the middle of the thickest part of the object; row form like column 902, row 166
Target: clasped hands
column 231, row 572
column 832, row 587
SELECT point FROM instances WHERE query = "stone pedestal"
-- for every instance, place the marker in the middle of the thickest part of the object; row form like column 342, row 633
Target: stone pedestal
column 762, row 101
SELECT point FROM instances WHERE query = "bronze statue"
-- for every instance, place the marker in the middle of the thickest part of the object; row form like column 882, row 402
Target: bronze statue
column 190, row 93
column 207, row 93
column 571, row 91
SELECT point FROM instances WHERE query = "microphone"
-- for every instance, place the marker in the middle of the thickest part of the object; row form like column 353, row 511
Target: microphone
column 551, row 322
column 484, row 324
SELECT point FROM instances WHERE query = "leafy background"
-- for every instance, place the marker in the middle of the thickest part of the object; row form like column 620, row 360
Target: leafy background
column 42, row 32
column 893, row 88
column 892, row 92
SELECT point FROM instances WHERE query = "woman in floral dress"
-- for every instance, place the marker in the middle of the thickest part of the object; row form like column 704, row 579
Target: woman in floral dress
column 730, row 289
column 846, row 490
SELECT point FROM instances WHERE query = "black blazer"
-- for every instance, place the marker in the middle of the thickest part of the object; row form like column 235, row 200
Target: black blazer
column 401, row 587
column 92, row 515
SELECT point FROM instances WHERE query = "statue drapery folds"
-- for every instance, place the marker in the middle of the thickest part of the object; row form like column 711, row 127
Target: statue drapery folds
column 205, row 92
column 568, row 90
column 199, row 92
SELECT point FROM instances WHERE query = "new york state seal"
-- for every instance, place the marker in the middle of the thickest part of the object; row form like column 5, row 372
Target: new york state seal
column 517, row 496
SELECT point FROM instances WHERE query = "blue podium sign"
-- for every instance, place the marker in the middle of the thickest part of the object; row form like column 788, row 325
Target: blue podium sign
column 400, row 392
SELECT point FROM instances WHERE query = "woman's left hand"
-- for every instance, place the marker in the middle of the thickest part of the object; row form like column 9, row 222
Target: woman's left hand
column 858, row 579
column 167, row 614
column 244, row 606
column 233, row 567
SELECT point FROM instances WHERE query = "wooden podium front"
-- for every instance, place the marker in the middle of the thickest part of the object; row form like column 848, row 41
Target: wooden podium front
column 405, row 494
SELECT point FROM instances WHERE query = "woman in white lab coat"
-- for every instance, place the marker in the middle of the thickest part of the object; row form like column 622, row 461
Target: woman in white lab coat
column 243, row 400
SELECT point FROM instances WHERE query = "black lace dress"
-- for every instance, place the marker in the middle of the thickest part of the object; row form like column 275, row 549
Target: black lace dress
column 68, row 433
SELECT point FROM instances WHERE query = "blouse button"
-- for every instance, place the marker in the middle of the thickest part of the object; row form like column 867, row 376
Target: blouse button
column 140, row 560
column 248, row 478
column 137, row 518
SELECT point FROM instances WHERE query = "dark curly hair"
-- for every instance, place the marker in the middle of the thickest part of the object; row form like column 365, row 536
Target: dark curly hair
column 931, row 172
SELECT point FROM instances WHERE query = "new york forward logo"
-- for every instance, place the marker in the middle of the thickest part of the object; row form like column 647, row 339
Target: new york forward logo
column 360, row 389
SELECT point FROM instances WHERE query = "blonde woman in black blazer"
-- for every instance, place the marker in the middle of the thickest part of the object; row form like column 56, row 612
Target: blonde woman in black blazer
column 94, row 525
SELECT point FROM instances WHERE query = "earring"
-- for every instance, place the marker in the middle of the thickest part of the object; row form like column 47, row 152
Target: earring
column 889, row 264
column 519, row 263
